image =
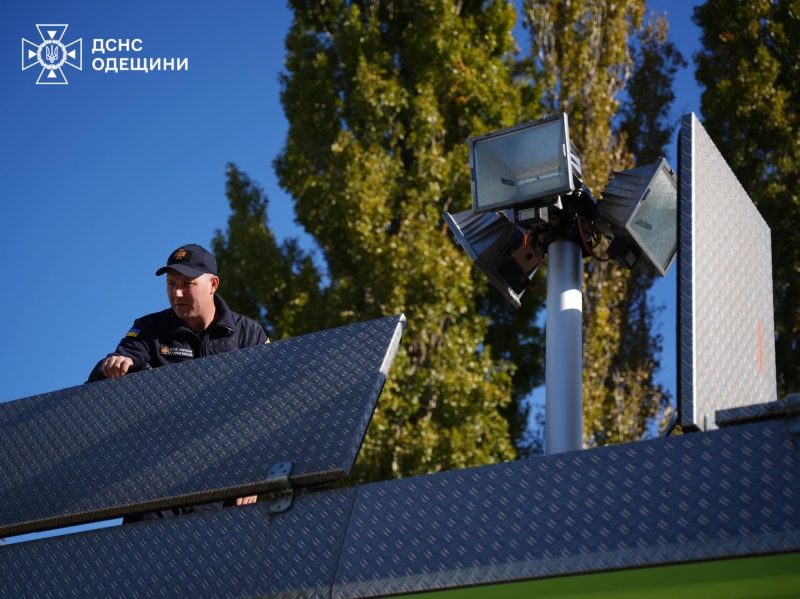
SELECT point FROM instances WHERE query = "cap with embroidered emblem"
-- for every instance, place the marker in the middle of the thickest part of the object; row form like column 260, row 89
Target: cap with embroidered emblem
column 191, row 260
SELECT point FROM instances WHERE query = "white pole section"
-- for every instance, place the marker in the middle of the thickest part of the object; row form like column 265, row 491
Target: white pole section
column 564, row 357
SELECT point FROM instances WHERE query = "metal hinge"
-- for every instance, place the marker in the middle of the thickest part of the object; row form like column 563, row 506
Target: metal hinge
column 278, row 478
column 710, row 422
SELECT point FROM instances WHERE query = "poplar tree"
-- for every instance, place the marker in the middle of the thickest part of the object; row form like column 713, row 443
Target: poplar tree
column 380, row 99
column 750, row 72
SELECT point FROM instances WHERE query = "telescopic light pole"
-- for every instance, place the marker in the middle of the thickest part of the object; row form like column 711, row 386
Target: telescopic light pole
column 564, row 349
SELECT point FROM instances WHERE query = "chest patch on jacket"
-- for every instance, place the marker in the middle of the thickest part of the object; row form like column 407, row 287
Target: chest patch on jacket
column 183, row 352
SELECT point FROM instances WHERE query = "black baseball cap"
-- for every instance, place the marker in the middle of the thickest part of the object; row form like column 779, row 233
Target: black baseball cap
column 191, row 260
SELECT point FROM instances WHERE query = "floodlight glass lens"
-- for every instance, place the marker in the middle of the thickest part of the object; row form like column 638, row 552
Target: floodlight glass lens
column 521, row 165
column 655, row 223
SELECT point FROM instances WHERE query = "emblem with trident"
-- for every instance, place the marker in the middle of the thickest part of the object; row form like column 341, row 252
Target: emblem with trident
column 51, row 52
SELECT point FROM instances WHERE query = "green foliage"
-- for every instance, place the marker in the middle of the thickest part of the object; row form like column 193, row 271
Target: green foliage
column 514, row 336
column 278, row 283
column 750, row 70
column 646, row 121
column 380, row 99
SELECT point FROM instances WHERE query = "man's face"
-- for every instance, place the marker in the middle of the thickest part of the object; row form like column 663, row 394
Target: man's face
column 191, row 298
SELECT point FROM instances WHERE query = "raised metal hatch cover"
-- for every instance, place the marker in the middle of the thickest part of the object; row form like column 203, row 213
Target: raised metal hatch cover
column 726, row 333
column 198, row 431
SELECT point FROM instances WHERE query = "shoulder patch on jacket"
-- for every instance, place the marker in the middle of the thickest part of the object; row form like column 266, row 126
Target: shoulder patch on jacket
column 133, row 333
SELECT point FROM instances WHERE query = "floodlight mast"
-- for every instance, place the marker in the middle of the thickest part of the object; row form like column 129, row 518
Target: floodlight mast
column 539, row 174
column 534, row 170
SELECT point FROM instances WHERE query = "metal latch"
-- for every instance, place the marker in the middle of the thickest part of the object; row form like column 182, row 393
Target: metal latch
column 278, row 479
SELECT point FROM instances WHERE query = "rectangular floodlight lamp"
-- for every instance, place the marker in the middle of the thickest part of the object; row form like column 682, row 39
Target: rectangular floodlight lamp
column 523, row 164
column 642, row 205
column 496, row 247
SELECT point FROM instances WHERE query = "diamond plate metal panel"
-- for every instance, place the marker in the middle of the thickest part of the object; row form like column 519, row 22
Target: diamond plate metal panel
column 198, row 431
column 233, row 552
column 726, row 493
column 725, row 313
column 762, row 411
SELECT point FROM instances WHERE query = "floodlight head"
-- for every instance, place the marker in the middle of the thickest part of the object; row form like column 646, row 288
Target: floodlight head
column 528, row 164
column 494, row 244
column 640, row 210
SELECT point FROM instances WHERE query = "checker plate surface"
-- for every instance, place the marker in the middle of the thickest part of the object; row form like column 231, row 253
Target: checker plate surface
column 715, row 495
column 198, row 431
column 763, row 411
column 726, row 332
column 233, row 552
column 726, row 493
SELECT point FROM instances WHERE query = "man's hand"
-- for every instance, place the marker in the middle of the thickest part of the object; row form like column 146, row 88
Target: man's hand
column 115, row 366
column 246, row 500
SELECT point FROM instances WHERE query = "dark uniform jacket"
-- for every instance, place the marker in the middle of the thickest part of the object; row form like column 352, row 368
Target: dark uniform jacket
column 161, row 339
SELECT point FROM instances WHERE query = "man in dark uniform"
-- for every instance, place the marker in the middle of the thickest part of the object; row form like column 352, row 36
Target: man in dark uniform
column 198, row 324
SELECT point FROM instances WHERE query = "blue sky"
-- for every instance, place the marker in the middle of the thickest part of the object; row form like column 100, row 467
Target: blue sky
column 102, row 178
